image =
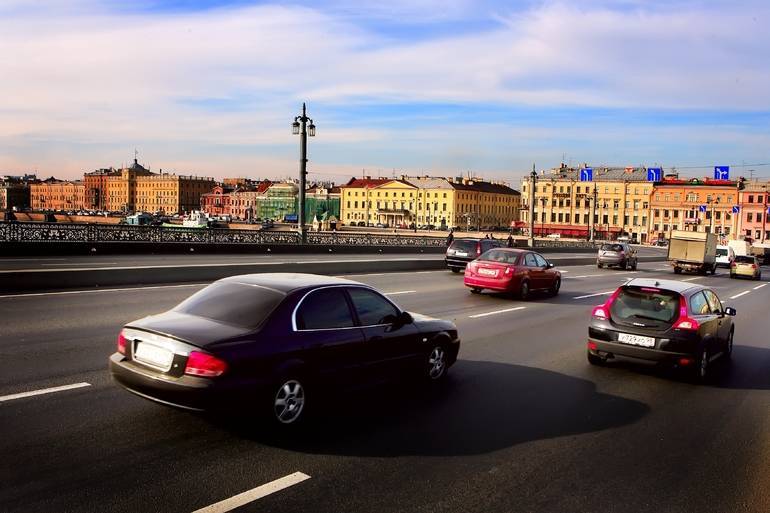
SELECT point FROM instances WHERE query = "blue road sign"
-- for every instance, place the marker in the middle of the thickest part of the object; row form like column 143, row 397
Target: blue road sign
column 654, row 174
column 737, row 209
column 768, row 211
column 587, row 174
column 721, row 172
column 702, row 208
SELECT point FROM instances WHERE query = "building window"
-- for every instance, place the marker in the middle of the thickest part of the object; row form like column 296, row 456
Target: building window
column 751, row 198
column 749, row 217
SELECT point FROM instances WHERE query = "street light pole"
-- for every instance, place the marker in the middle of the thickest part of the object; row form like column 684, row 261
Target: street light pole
column 532, row 182
column 300, row 127
column 592, row 219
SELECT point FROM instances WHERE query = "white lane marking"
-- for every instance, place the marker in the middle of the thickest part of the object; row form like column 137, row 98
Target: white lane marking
column 564, row 271
column 662, row 269
column 693, row 278
column 43, row 391
column 399, row 292
column 760, row 286
column 496, row 312
column 587, row 276
column 30, row 259
column 103, row 290
column 594, row 295
column 236, row 501
column 741, row 294
column 84, row 263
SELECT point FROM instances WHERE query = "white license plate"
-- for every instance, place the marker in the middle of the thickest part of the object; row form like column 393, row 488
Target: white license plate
column 636, row 340
column 461, row 253
column 488, row 272
column 153, row 355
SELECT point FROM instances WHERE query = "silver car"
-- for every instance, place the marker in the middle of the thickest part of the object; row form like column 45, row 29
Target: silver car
column 616, row 254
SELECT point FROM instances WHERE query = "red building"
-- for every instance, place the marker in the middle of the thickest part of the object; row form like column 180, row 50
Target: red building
column 217, row 202
column 754, row 201
column 95, row 184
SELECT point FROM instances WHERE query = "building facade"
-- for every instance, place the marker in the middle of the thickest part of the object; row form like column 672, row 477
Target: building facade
column 245, row 202
column 614, row 203
column 53, row 194
column 217, row 202
column 694, row 205
column 14, row 193
column 322, row 202
column 428, row 201
column 95, row 184
column 754, row 200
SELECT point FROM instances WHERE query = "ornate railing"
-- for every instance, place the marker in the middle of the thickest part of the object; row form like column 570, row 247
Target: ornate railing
column 101, row 233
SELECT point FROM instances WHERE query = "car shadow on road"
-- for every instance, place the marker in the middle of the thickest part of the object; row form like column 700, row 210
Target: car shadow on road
column 481, row 407
column 746, row 370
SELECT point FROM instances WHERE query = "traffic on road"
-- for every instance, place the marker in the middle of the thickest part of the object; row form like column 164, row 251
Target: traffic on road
column 522, row 422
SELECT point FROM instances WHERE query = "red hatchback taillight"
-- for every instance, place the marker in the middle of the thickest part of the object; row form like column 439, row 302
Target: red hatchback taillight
column 603, row 311
column 205, row 365
column 122, row 341
column 685, row 322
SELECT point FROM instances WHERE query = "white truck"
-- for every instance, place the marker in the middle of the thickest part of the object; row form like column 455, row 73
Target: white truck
column 693, row 252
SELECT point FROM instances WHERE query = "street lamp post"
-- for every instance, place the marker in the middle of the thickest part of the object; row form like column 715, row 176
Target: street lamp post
column 300, row 127
column 543, row 200
column 532, row 182
column 592, row 218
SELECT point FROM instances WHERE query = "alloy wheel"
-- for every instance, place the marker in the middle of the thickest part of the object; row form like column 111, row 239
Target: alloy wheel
column 524, row 291
column 703, row 364
column 289, row 402
column 437, row 363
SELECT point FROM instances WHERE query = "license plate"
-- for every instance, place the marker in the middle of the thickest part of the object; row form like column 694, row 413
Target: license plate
column 461, row 253
column 153, row 355
column 636, row 340
column 488, row 272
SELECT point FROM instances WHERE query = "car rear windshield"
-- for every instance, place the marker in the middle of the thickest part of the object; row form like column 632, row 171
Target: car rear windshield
column 239, row 304
column 612, row 247
column 741, row 259
column 645, row 305
column 721, row 252
column 500, row 255
column 469, row 246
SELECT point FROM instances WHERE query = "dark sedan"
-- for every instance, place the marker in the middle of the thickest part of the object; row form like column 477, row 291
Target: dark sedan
column 665, row 321
column 267, row 342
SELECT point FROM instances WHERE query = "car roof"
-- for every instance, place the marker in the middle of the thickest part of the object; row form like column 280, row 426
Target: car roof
column 287, row 282
column 672, row 285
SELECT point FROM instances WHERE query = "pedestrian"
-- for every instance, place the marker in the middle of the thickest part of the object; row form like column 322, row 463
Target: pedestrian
column 450, row 237
column 510, row 240
column 486, row 236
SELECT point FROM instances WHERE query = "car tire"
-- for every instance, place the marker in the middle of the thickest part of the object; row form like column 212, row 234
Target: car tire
column 554, row 290
column 289, row 401
column 702, row 370
column 732, row 276
column 454, row 270
column 524, row 291
column 677, row 270
column 600, row 266
column 593, row 359
column 759, row 277
column 436, row 364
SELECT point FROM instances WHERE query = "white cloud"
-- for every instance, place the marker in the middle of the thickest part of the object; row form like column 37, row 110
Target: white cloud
column 75, row 72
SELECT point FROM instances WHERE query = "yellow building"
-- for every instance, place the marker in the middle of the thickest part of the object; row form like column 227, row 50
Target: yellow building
column 619, row 198
column 424, row 200
column 137, row 189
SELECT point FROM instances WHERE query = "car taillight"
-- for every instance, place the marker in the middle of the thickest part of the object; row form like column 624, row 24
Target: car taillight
column 471, row 267
column 685, row 322
column 510, row 270
column 592, row 346
column 753, row 266
column 204, row 364
column 603, row 311
column 122, row 343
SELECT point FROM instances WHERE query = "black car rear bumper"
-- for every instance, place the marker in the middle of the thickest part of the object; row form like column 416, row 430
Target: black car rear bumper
column 187, row 392
column 606, row 349
column 457, row 262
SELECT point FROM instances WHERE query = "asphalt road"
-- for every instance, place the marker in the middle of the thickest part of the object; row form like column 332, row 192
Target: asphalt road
column 56, row 263
column 522, row 424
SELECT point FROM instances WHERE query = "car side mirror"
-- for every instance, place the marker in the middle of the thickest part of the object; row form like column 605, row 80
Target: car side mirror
column 730, row 311
column 401, row 319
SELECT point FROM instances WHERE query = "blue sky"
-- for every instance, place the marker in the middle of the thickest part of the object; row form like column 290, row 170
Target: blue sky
column 426, row 86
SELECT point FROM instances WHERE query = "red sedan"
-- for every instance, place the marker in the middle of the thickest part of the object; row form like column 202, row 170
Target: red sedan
column 512, row 270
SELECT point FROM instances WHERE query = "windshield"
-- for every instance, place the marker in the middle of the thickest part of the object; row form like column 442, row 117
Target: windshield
column 721, row 252
column 500, row 255
column 640, row 304
column 612, row 247
column 238, row 304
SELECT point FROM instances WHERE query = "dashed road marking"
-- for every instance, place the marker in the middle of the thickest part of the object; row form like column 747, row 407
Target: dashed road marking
column 92, row 291
column 399, row 292
column 594, row 295
column 236, row 501
column 740, row 294
column 693, row 278
column 42, row 391
column 760, row 286
column 505, row 310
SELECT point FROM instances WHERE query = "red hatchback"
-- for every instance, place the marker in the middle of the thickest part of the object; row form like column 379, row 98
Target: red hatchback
column 512, row 270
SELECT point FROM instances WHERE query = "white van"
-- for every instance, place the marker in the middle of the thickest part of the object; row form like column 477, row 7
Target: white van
column 725, row 256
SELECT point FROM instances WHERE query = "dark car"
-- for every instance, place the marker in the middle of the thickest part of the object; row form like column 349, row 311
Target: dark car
column 268, row 342
column 462, row 251
column 665, row 321
column 514, row 271
column 617, row 254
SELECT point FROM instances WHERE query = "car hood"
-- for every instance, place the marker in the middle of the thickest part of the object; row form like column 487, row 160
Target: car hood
column 427, row 323
column 196, row 330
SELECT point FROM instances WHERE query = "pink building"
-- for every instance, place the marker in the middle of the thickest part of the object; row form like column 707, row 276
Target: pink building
column 754, row 200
